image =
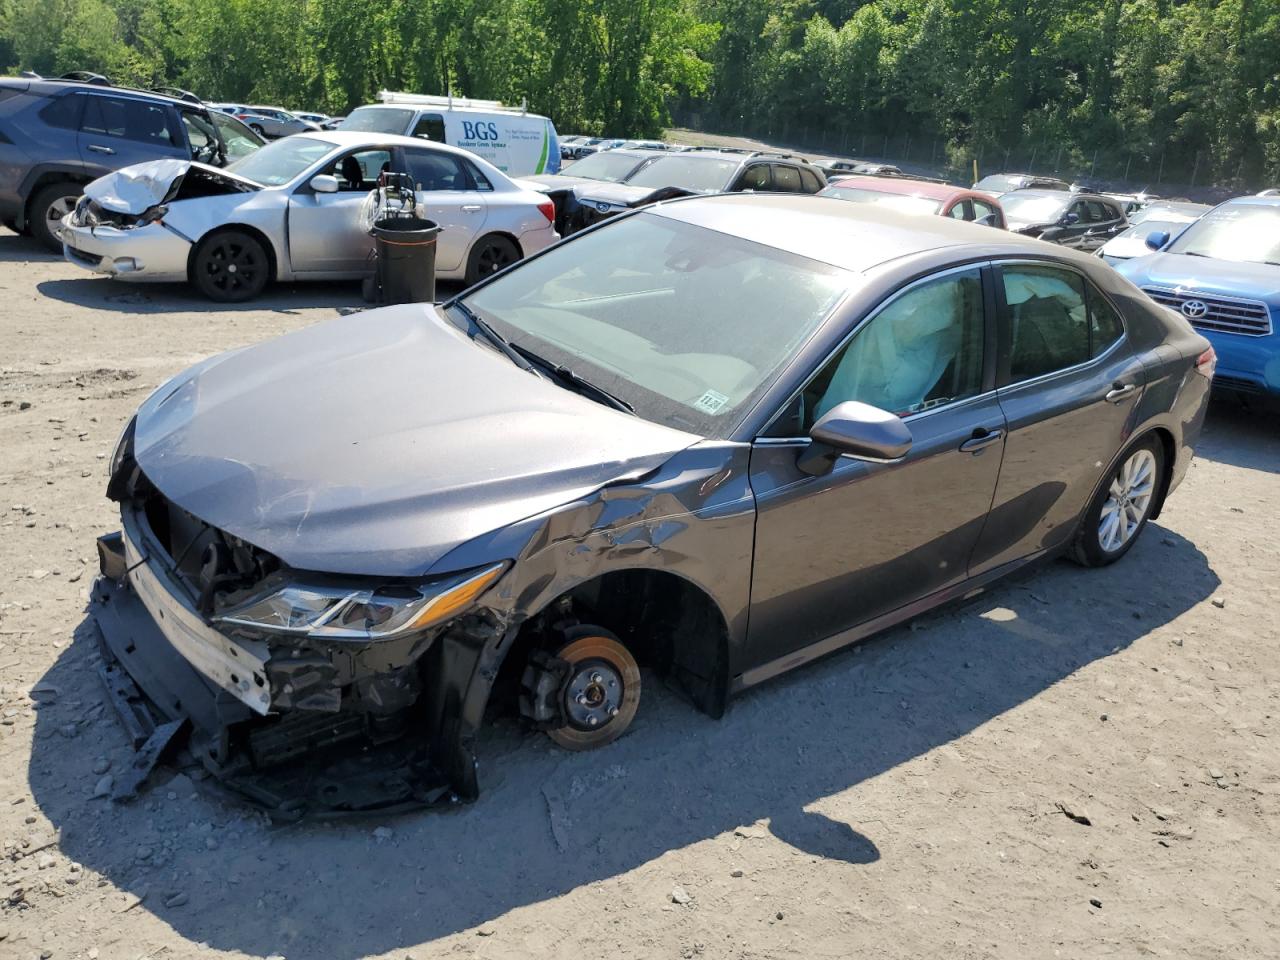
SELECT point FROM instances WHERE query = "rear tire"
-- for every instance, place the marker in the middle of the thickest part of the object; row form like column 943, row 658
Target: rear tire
column 488, row 256
column 230, row 266
column 48, row 207
column 1121, row 508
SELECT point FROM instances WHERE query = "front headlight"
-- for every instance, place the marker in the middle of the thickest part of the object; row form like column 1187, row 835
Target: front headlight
column 373, row 613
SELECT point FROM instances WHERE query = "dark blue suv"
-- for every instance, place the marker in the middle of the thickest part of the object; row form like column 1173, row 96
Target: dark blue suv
column 57, row 135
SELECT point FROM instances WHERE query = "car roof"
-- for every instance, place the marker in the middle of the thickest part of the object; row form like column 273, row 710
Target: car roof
column 1063, row 195
column 907, row 187
column 51, row 87
column 852, row 236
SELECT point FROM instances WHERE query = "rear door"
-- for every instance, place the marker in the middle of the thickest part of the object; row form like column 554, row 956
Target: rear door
column 1068, row 383
column 326, row 235
column 118, row 130
column 455, row 195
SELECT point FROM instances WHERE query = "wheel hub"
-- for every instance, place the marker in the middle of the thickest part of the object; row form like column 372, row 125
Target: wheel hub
column 593, row 695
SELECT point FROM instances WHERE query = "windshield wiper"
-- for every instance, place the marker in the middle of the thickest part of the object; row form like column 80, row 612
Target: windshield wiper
column 505, row 347
column 577, row 380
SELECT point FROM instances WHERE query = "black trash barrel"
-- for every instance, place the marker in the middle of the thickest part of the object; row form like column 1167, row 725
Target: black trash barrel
column 406, row 259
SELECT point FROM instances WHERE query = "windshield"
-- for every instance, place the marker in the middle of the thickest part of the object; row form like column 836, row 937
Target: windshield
column 1032, row 208
column 240, row 140
column 894, row 201
column 686, row 324
column 610, row 167
column 704, row 174
column 281, row 161
column 997, row 183
column 1241, row 232
column 1164, row 213
column 378, row 120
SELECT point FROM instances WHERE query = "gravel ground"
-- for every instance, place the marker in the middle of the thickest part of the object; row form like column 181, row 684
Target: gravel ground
column 1075, row 764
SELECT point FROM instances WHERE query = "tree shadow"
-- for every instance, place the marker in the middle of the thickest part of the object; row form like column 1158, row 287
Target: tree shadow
column 1242, row 431
column 548, row 822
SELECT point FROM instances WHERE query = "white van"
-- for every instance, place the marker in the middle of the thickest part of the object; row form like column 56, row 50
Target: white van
column 515, row 141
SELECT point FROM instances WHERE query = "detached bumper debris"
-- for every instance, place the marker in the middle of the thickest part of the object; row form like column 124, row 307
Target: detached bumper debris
column 305, row 762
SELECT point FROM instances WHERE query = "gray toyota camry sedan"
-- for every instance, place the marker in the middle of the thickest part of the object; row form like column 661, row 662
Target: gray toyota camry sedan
column 717, row 438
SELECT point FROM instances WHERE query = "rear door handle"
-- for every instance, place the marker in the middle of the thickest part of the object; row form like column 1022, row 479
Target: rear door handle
column 1119, row 391
column 471, row 208
column 99, row 148
column 981, row 440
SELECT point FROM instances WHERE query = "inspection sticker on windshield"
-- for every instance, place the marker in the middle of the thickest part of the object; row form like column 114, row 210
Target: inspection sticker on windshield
column 711, row 402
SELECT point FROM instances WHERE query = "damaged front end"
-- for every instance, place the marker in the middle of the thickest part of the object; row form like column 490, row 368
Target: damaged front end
column 297, row 691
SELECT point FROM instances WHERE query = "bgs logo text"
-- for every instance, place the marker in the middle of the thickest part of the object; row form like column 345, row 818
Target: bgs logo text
column 477, row 130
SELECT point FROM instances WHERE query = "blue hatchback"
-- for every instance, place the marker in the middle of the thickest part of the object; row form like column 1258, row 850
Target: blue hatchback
column 1223, row 275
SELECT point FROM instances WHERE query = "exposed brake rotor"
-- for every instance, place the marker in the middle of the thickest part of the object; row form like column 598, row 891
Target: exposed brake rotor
column 600, row 698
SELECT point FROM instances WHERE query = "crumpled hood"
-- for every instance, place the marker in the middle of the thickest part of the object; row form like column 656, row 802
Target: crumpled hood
column 1252, row 281
column 376, row 443
column 137, row 188
column 617, row 194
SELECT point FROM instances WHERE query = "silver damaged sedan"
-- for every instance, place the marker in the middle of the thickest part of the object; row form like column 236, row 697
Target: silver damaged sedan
column 291, row 211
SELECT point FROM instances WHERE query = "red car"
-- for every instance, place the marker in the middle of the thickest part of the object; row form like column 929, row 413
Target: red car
column 920, row 196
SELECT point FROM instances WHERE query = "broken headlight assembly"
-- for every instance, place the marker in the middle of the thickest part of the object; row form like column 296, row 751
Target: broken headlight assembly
column 327, row 612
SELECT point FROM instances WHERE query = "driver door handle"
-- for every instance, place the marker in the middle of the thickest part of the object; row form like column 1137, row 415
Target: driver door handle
column 99, row 148
column 1119, row 391
column 471, row 208
column 981, row 439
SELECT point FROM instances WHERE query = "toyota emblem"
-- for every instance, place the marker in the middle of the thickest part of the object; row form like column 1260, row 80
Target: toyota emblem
column 1194, row 309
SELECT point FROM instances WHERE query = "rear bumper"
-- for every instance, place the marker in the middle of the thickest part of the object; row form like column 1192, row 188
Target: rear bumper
column 150, row 252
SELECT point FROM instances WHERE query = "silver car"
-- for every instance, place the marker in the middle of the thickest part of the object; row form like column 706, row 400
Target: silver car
column 275, row 122
column 291, row 211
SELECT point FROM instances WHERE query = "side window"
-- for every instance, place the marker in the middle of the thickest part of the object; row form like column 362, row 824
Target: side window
column 981, row 210
column 755, row 178
column 478, row 180
column 1105, row 326
column 129, row 119
column 809, row 181
column 786, row 179
column 63, row 112
column 436, row 171
column 430, row 126
column 1098, row 212
column 960, row 211
column 922, row 350
column 358, row 172
column 1048, row 320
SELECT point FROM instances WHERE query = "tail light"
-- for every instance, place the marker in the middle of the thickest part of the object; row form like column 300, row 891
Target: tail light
column 548, row 209
column 1207, row 363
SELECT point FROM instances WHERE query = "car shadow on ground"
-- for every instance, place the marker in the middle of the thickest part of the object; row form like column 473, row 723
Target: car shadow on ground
column 15, row 248
column 1242, row 431
column 549, row 822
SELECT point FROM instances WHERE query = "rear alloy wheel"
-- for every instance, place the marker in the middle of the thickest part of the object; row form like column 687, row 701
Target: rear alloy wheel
column 1121, row 509
column 231, row 266
column 602, row 693
column 48, row 207
column 491, row 254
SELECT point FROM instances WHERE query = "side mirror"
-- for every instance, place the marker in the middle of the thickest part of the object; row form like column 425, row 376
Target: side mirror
column 1069, row 218
column 1156, row 239
column 324, row 183
column 857, row 430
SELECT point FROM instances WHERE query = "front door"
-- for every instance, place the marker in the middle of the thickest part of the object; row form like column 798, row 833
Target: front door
column 1069, row 383
column 326, row 235
column 454, row 194
column 837, row 550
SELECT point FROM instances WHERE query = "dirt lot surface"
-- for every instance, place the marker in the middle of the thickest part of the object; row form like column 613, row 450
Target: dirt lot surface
column 924, row 795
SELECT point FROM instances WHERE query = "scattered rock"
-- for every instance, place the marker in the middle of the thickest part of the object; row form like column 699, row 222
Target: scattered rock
column 69, row 730
column 143, row 853
column 24, row 405
column 101, row 765
column 382, row 834
column 45, row 861
column 680, row 895
column 92, row 953
column 484, row 932
column 778, row 915
column 39, row 574
column 103, row 787
column 1077, row 815
column 1095, row 902
column 210, row 843
column 175, row 900
column 1215, row 773
column 1219, row 602
column 735, row 874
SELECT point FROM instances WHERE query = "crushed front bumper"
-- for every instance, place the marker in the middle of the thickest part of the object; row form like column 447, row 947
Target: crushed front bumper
column 175, row 680
column 150, row 252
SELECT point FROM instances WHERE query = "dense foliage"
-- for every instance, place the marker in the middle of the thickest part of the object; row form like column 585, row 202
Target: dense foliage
column 1188, row 87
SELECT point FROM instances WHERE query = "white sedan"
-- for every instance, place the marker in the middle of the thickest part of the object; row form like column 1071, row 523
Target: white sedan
column 292, row 211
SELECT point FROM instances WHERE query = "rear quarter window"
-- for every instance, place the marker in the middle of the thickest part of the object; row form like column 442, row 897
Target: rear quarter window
column 63, row 112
